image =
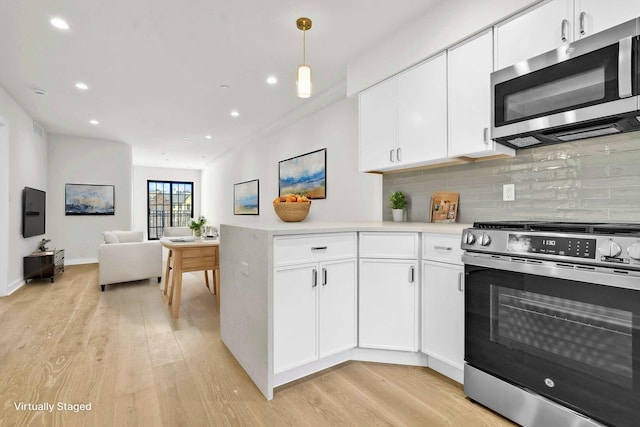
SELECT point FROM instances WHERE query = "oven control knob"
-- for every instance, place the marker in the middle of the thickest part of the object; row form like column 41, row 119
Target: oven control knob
column 609, row 249
column 485, row 239
column 634, row 251
column 469, row 238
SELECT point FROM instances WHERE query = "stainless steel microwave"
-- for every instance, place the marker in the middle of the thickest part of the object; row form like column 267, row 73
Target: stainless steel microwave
column 584, row 89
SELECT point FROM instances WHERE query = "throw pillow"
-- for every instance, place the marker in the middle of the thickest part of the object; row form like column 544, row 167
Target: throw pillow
column 129, row 236
column 109, row 237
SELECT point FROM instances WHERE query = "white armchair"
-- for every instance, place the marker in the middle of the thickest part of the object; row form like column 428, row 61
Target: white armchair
column 125, row 257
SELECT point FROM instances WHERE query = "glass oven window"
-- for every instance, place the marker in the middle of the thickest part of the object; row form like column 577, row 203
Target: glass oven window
column 592, row 338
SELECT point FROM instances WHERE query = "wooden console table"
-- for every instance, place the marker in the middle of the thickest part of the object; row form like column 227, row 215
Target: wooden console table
column 201, row 255
column 43, row 265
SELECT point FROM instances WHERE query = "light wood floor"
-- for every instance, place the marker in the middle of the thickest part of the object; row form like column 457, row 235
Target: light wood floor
column 122, row 352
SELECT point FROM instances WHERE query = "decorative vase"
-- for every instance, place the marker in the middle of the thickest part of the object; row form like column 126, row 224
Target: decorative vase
column 398, row 215
column 197, row 232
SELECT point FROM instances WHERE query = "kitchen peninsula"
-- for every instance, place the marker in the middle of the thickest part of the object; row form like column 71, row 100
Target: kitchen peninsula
column 297, row 298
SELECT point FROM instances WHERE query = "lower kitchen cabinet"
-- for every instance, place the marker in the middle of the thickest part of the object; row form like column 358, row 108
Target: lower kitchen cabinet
column 388, row 310
column 443, row 317
column 314, row 312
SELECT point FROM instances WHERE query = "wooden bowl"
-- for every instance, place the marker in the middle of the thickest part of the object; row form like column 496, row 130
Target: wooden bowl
column 292, row 211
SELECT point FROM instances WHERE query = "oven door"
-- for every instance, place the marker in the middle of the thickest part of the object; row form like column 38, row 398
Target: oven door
column 574, row 342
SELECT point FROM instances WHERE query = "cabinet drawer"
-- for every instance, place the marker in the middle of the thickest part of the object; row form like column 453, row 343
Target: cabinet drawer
column 442, row 248
column 389, row 245
column 313, row 247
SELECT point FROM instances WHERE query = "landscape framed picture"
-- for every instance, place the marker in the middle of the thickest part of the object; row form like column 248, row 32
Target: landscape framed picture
column 305, row 175
column 246, row 198
column 89, row 199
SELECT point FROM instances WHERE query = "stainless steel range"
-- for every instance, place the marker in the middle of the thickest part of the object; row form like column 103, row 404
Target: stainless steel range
column 552, row 321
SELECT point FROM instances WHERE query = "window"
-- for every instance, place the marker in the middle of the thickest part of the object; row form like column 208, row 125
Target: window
column 170, row 204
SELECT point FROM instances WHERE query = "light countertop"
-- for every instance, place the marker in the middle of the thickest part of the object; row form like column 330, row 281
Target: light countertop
column 284, row 228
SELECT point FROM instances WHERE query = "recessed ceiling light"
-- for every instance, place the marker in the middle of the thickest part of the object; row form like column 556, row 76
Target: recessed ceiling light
column 94, row 122
column 234, row 113
column 59, row 23
column 82, row 86
column 40, row 92
column 184, row 138
column 208, row 137
column 272, row 80
column 224, row 86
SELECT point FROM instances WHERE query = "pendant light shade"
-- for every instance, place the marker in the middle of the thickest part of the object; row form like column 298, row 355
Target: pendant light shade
column 303, row 76
column 303, row 81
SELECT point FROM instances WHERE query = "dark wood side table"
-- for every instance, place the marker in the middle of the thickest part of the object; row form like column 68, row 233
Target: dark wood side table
column 43, row 265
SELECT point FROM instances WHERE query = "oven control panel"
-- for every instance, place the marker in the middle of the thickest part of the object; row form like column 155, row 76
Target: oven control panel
column 552, row 245
column 613, row 251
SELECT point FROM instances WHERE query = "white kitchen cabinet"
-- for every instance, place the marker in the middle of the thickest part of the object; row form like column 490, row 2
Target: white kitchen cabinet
column 388, row 291
column 592, row 16
column 422, row 108
column 403, row 120
column 378, row 127
column 314, row 298
column 551, row 24
column 470, row 99
column 544, row 27
column 443, row 304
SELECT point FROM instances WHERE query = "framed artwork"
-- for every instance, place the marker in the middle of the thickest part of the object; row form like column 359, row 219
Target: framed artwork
column 444, row 207
column 305, row 175
column 89, row 199
column 246, row 198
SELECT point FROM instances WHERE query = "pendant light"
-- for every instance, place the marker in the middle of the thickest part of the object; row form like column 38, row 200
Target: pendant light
column 303, row 77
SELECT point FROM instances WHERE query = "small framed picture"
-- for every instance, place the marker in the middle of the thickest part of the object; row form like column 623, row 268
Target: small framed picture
column 246, row 198
column 444, row 207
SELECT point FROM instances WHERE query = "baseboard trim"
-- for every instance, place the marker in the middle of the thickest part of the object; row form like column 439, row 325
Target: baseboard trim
column 79, row 261
column 12, row 287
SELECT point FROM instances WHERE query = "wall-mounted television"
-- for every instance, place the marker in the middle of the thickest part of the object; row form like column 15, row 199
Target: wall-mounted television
column 33, row 212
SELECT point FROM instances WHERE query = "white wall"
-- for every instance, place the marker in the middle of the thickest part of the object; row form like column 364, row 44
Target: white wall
column 140, row 176
column 23, row 164
column 351, row 196
column 443, row 25
column 78, row 160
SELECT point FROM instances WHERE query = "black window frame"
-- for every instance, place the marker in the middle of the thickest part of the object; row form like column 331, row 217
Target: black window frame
column 157, row 228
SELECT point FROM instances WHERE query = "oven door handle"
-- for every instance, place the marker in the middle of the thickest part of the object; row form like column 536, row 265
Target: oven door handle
column 625, row 67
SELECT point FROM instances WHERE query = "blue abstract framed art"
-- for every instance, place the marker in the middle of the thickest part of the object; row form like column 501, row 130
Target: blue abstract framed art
column 89, row 199
column 246, row 198
column 305, row 175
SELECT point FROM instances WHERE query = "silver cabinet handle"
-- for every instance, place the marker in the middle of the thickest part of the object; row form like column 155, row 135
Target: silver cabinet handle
column 412, row 273
column 583, row 31
column 624, row 68
column 324, row 276
column 460, row 287
column 442, row 248
column 485, row 136
column 314, row 278
column 391, row 155
column 564, row 30
column 398, row 154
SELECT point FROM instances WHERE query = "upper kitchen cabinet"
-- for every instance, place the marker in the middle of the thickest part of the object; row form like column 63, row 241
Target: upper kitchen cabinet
column 592, row 16
column 554, row 23
column 422, row 118
column 469, row 84
column 403, row 120
column 535, row 31
column 378, row 128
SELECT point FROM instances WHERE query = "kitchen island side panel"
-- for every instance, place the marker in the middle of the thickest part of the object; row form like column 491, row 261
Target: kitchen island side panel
column 244, row 300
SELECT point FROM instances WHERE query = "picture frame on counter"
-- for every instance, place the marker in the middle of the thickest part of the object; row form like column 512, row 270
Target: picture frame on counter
column 444, row 206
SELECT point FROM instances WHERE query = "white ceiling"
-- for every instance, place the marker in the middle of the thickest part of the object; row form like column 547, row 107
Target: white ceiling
column 155, row 67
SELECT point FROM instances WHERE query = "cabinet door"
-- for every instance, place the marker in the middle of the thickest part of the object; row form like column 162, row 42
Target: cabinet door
column 337, row 306
column 535, row 31
column 422, row 108
column 294, row 317
column 470, row 67
column 387, row 304
column 593, row 16
column 378, row 138
column 443, row 312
